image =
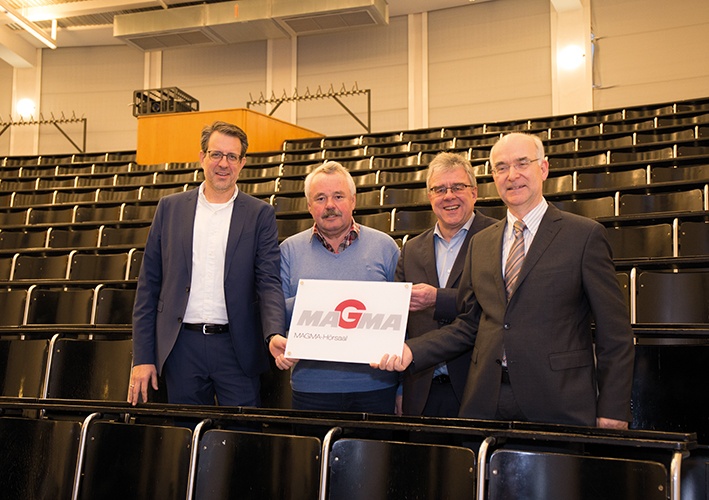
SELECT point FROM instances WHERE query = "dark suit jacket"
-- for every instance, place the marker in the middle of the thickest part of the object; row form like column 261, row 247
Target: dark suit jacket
column 417, row 264
column 252, row 286
column 567, row 279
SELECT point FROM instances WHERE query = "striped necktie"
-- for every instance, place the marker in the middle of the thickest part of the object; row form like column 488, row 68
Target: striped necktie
column 514, row 259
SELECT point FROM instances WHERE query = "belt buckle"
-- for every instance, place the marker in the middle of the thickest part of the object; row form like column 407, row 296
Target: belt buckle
column 204, row 329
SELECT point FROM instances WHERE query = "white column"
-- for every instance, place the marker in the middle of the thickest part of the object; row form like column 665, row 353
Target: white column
column 572, row 70
column 26, row 84
column 418, row 70
column 281, row 74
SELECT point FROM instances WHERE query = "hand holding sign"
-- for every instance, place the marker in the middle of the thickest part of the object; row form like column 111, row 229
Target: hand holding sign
column 349, row 321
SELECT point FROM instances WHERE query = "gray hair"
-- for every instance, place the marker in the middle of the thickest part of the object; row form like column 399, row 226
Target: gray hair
column 537, row 143
column 448, row 162
column 329, row 168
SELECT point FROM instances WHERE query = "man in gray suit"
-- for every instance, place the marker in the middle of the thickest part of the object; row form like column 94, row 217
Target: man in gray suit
column 534, row 355
column 433, row 261
column 209, row 290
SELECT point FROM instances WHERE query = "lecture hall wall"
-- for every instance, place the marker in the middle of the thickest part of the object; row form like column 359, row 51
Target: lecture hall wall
column 487, row 62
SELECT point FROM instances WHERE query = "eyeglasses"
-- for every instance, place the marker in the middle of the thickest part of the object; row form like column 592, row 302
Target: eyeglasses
column 216, row 156
column 520, row 166
column 454, row 188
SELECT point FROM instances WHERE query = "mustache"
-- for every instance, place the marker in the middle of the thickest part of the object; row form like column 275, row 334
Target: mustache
column 331, row 212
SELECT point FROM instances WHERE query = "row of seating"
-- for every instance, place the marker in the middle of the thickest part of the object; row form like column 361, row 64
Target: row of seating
column 69, row 237
column 51, row 304
column 82, row 158
column 140, row 178
column 72, row 266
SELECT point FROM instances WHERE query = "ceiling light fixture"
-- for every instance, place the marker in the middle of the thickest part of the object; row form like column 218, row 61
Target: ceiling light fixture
column 28, row 25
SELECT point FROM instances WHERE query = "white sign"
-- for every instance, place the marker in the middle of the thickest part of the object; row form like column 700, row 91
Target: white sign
column 350, row 321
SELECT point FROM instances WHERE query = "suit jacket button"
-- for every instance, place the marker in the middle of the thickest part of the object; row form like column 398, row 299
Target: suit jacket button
column 187, row 289
column 506, row 326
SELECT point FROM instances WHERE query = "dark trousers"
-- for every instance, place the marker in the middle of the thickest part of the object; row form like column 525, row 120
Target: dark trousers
column 203, row 370
column 381, row 401
column 442, row 401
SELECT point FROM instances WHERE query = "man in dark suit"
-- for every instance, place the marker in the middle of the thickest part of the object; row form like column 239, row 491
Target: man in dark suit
column 433, row 262
column 209, row 290
column 534, row 356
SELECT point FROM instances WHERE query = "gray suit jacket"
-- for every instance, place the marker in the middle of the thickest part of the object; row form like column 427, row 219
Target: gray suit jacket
column 417, row 264
column 566, row 281
column 252, row 285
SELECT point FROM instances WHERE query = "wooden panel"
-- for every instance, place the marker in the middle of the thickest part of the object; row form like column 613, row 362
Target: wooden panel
column 175, row 137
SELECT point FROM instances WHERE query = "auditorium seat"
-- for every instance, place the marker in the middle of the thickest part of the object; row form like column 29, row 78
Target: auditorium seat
column 114, row 305
column 51, row 215
column 7, row 263
column 577, row 160
column 558, row 184
column 694, row 238
column 41, row 267
column 239, row 465
column 680, row 173
column 134, row 178
column 389, row 178
column 78, row 237
column 117, row 193
column 32, row 199
column 98, row 213
column 357, row 165
column 140, row 462
column 258, row 188
column 673, row 298
column 155, row 193
column 289, row 227
column 400, row 197
column 291, row 185
column 361, row 469
column 364, row 199
column 77, row 195
column 283, row 204
column 96, row 180
column 402, row 160
column 259, row 172
column 22, row 366
column 588, row 207
column 138, row 212
column 678, row 201
column 487, row 190
column 98, row 267
column 60, row 306
column 13, row 217
column 120, row 236
column 136, row 261
column 543, row 475
column 89, row 369
column 413, row 221
column 13, row 302
column 611, row 179
column 637, row 242
column 38, row 458
column 641, row 155
column 380, row 221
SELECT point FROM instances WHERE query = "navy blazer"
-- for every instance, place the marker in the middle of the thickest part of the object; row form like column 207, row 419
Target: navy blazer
column 557, row 372
column 252, row 285
column 417, row 264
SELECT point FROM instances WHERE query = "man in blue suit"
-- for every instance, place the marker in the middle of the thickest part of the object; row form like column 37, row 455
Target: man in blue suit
column 209, row 290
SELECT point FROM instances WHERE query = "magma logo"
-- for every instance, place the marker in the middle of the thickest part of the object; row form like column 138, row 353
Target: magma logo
column 350, row 314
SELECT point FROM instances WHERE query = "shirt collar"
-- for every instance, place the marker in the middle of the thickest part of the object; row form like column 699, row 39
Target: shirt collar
column 466, row 228
column 203, row 198
column 350, row 238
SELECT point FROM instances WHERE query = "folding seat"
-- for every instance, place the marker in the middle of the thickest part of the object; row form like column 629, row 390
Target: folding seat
column 437, row 145
column 336, row 154
column 298, row 169
column 649, row 137
column 38, row 458
column 302, row 144
column 416, row 177
column 611, row 179
column 98, row 213
column 155, row 193
column 383, row 163
column 694, row 238
column 538, row 475
column 380, row 221
column 21, row 239
column 13, row 302
column 641, row 155
column 388, row 149
column 114, row 305
column 41, row 267
column 423, row 134
column 487, row 190
column 135, row 262
column 96, row 180
column 564, row 133
column 315, row 155
column 369, row 469
column 22, row 367
column 282, row 204
column 134, row 179
column 171, row 177
column 680, row 173
column 73, row 237
column 77, row 195
column 639, row 242
column 60, row 306
column 588, row 207
column 668, row 297
column 256, row 188
column 289, row 227
column 121, row 236
column 7, row 263
column 56, row 182
column 266, row 158
column 51, row 215
column 413, row 221
column 32, row 199
column 558, row 184
column 382, row 138
column 341, row 141
column 679, row 201
column 291, row 185
column 577, row 161
column 136, row 461
column 119, row 194
column 232, row 463
column 98, row 267
column 260, row 172
column 18, row 185
column 364, row 179
column 400, row 197
column 138, row 212
column 13, row 217
column 364, row 199
column 605, row 144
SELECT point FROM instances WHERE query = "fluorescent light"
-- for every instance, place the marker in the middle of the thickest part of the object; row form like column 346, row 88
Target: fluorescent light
column 28, row 25
column 570, row 57
column 25, row 108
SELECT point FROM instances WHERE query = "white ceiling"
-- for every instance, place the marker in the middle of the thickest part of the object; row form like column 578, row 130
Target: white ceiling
column 90, row 22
